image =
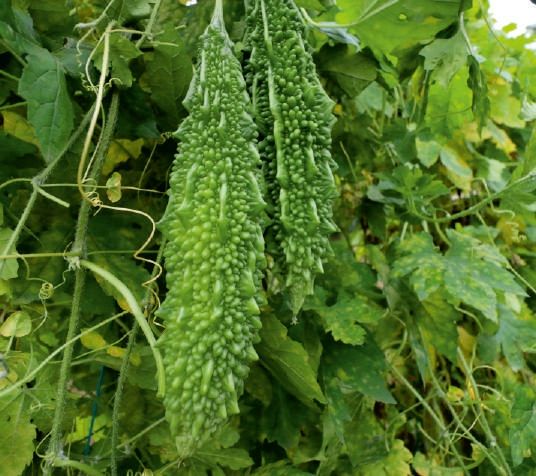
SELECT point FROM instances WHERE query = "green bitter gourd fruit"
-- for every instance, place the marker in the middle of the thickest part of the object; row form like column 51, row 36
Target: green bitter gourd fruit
column 215, row 249
column 293, row 114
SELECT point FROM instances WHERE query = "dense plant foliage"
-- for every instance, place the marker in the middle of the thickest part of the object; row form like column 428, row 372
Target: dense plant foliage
column 414, row 354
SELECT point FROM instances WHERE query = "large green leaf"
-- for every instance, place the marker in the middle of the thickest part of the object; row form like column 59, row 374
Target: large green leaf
column 391, row 26
column 515, row 336
column 359, row 369
column 422, row 262
column 470, row 271
column 523, row 428
column 50, row 110
column 169, row 71
column 288, row 362
column 16, row 440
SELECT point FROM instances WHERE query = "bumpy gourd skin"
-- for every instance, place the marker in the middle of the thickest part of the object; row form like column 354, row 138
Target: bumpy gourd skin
column 215, row 248
column 294, row 117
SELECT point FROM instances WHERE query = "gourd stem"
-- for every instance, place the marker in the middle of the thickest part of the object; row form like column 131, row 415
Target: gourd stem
column 217, row 17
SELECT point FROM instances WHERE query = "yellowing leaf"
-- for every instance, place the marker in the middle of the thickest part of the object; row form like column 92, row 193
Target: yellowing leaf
column 457, row 168
column 115, row 351
column 8, row 267
column 113, row 187
column 505, row 107
column 121, row 150
column 17, row 126
column 500, row 138
column 17, row 324
column 93, row 341
column 455, row 394
column 82, row 425
column 466, row 341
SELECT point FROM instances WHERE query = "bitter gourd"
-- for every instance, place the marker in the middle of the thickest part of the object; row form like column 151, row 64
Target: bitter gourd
column 293, row 114
column 215, row 247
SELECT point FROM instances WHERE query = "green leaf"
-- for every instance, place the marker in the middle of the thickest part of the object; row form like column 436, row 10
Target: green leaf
column 122, row 51
column 232, row 458
column 374, row 98
column 365, row 438
column 281, row 468
column 478, row 83
column 429, row 467
column 449, row 109
column 284, row 420
column 169, row 71
column 352, row 71
column 103, row 236
column 258, row 385
column 438, row 325
column 396, row 462
column 310, row 4
column 16, row 29
column 408, row 23
column 125, row 10
column 288, row 362
column 50, row 110
column 338, row 409
column 359, row 369
column 16, row 442
column 445, row 57
column 422, row 261
column 515, row 336
column 523, row 425
column 471, row 272
column 8, row 267
column 474, row 276
column 342, row 318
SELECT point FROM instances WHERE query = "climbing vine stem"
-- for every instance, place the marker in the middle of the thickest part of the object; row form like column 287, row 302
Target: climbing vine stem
column 79, row 246
column 125, row 366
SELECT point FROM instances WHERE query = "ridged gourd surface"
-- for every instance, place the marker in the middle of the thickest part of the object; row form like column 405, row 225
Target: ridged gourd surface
column 215, row 248
column 294, row 116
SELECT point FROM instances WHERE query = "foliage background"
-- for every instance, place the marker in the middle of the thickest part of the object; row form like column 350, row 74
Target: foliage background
column 416, row 353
